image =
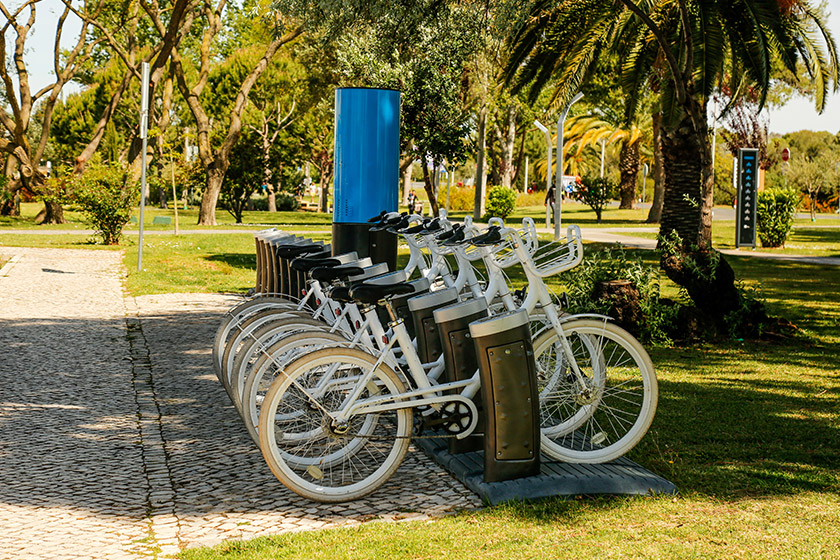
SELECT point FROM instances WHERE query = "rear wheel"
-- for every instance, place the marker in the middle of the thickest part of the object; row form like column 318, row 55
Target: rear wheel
column 270, row 364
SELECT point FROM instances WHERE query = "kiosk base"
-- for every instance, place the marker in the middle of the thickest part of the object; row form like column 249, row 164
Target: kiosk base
column 380, row 246
column 619, row 477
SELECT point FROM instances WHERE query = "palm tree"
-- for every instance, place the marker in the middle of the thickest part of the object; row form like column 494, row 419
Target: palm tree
column 684, row 49
column 590, row 130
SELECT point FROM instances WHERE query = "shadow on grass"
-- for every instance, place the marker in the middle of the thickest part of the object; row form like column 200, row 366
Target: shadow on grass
column 243, row 261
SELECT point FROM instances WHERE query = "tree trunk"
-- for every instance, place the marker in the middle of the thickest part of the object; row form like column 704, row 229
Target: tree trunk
column 629, row 166
column 272, row 197
column 213, row 186
column 507, row 147
column 52, row 213
column 480, row 173
column 693, row 264
column 406, row 165
column 430, row 190
column 655, row 214
column 325, row 167
column 267, row 171
column 683, row 177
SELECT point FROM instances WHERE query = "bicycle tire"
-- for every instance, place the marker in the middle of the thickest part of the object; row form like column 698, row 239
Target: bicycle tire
column 270, row 364
column 260, row 338
column 279, row 318
column 239, row 313
column 612, row 414
column 310, row 458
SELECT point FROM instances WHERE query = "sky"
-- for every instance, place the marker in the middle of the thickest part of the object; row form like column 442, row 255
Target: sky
column 797, row 114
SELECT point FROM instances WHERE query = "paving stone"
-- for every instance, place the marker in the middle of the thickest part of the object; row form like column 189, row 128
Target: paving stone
column 116, row 437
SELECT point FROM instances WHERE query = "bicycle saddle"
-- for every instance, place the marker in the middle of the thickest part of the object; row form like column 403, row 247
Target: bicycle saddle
column 398, row 226
column 457, row 238
column 329, row 274
column 432, row 226
column 490, row 237
column 291, row 251
column 444, row 235
column 416, row 229
column 341, row 294
column 370, row 293
column 387, row 222
column 378, row 217
column 305, row 264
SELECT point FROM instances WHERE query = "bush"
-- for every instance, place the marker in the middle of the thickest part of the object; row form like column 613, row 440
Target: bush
column 581, row 283
column 286, row 202
column 595, row 192
column 536, row 198
column 461, row 199
column 106, row 194
column 501, row 202
column 775, row 215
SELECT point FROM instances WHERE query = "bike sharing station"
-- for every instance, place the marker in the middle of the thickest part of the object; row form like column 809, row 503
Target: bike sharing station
column 543, row 381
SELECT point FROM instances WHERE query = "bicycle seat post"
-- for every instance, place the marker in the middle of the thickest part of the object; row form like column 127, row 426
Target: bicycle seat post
column 390, row 308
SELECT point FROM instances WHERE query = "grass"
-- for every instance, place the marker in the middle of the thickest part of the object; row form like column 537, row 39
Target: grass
column 806, row 238
column 187, row 219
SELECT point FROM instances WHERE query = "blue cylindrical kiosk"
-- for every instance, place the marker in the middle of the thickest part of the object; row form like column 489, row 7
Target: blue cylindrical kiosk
column 367, row 160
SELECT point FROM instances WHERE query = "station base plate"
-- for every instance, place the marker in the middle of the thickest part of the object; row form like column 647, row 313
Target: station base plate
column 619, row 477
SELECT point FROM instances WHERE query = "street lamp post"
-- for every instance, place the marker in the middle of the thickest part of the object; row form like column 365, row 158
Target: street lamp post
column 549, row 159
column 645, row 170
column 558, row 177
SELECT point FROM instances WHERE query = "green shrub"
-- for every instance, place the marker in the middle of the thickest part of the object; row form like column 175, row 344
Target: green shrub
column 595, row 192
column 536, row 198
column 775, row 210
column 286, row 202
column 501, row 202
column 614, row 264
column 461, row 199
column 106, row 194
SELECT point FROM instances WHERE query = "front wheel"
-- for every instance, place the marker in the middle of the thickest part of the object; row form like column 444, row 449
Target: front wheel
column 603, row 413
column 311, row 454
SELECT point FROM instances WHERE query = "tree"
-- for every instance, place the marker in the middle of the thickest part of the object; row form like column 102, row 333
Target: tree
column 16, row 114
column 129, row 36
column 812, row 175
column 590, row 131
column 687, row 48
column 192, row 76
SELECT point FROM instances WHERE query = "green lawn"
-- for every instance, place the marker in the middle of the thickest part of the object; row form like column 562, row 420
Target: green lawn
column 806, row 238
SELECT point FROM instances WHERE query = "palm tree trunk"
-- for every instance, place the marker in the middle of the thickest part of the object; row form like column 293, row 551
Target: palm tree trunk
column 683, row 178
column 692, row 263
column 655, row 214
column 629, row 166
column 480, row 164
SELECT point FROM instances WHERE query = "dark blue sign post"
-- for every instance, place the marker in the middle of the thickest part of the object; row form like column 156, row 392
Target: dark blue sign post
column 747, row 197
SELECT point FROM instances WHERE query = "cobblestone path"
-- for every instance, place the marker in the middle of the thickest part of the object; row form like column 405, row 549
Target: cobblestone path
column 116, row 439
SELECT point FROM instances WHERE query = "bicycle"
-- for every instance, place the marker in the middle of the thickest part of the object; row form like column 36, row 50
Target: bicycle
column 336, row 425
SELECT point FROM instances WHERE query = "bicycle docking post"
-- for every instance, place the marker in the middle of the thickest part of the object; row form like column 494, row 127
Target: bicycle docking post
column 422, row 313
column 510, row 395
column 453, row 323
